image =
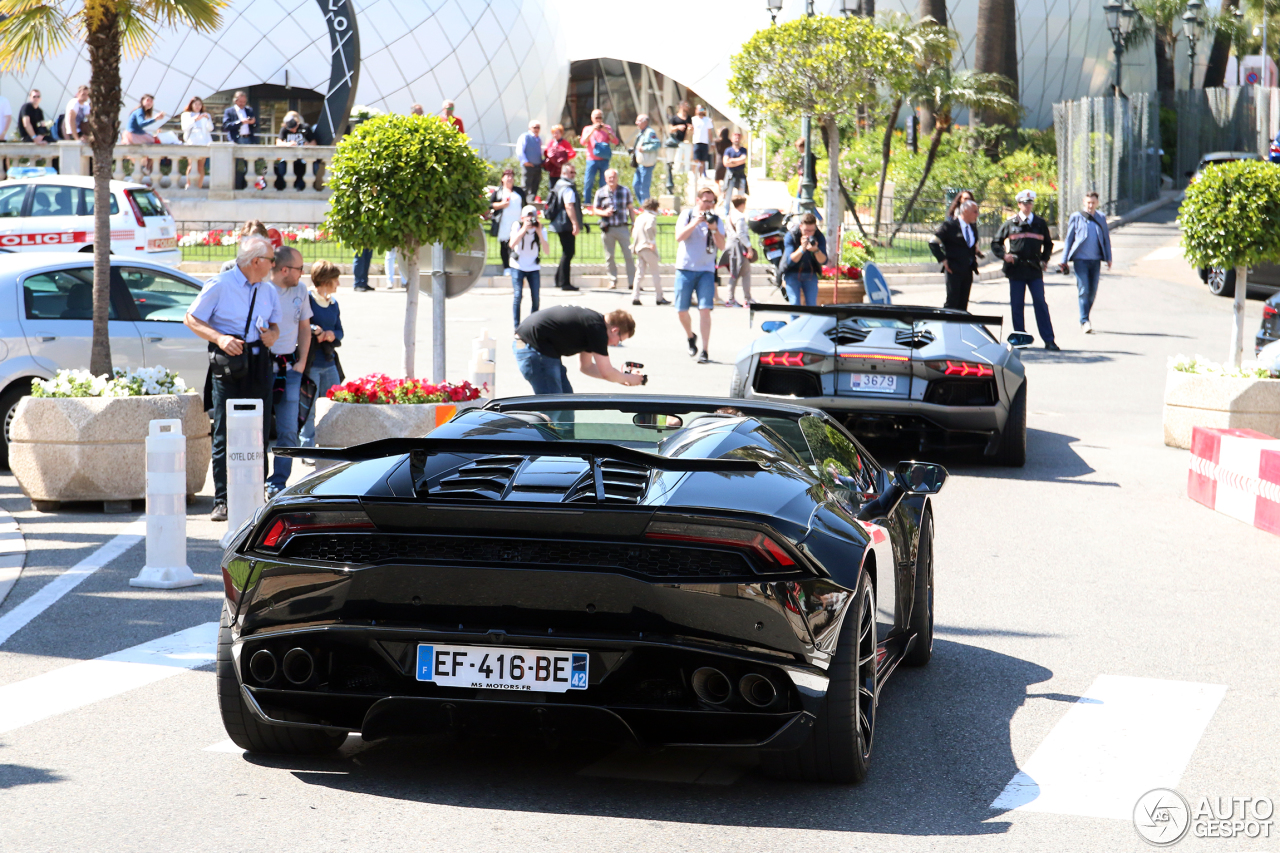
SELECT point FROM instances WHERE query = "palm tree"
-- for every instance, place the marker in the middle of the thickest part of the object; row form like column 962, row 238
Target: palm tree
column 996, row 52
column 937, row 11
column 31, row 29
column 944, row 89
column 1161, row 22
column 1224, row 26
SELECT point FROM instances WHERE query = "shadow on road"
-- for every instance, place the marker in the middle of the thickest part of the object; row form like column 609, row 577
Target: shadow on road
column 942, row 739
column 1043, row 356
column 1050, row 459
column 13, row 775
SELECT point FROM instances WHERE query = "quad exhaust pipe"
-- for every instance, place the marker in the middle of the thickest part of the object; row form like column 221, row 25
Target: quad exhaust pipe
column 262, row 666
column 711, row 685
column 299, row 666
column 757, row 690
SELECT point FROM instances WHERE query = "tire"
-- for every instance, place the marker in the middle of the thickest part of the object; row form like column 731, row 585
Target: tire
column 1012, row 452
column 839, row 747
column 1221, row 282
column 735, row 385
column 8, row 402
column 921, row 624
column 243, row 727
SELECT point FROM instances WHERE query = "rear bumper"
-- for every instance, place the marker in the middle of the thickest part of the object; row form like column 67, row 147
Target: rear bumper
column 987, row 420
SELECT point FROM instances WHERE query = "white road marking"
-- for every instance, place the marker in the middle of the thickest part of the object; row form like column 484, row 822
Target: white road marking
column 1164, row 253
column 80, row 684
column 13, row 553
column 46, row 596
column 1124, row 737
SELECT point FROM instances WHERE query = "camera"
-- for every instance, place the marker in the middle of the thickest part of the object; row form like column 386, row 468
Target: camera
column 635, row 367
column 710, row 217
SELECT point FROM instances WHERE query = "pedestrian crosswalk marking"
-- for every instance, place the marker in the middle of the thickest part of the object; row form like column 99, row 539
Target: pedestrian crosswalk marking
column 1124, row 737
column 70, row 687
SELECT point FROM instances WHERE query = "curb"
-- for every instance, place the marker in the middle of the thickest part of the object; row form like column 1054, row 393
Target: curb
column 13, row 553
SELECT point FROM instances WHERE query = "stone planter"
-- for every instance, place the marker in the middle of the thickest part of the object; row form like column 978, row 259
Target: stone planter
column 345, row 424
column 850, row 291
column 1222, row 402
column 94, row 448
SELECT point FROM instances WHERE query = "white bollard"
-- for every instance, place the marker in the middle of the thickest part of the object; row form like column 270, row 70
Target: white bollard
column 245, row 453
column 166, row 566
column 483, row 374
column 486, row 345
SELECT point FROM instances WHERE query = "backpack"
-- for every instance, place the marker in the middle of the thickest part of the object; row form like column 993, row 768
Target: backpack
column 555, row 206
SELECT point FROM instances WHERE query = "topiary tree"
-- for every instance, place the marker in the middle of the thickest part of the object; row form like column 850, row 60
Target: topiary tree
column 404, row 182
column 1228, row 220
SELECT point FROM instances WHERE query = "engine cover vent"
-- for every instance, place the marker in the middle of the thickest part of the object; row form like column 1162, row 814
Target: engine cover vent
column 481, row 478
column 916, row 339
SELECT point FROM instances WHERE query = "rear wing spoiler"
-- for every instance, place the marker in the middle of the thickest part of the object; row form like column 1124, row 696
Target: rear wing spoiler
column 590, row 450
column 906, row 313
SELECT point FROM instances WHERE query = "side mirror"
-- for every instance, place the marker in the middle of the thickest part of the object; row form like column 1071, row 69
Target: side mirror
column 1020, row 340
column 920, row 478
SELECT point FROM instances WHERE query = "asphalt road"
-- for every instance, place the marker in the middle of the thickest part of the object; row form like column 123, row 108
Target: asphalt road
column 1084, row 584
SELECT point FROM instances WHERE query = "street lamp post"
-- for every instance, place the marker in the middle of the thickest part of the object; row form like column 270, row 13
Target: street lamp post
column 1121, row 16
column 775, row 6
column 808, row 180
column 1191, row 28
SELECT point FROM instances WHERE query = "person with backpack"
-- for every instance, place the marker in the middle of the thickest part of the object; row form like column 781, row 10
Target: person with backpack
column 564, row 219
column 528, row 242
column 598, row 138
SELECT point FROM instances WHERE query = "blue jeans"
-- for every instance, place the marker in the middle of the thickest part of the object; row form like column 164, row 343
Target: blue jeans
column 518, row 277
column 641, row 182
column 546, row 375
column 1087, row 274
column 802, row 287
column 691, row 282
column 325, row 376
column 595, row 171
column 360, row 267
column 286, row 429
column 1017, row 295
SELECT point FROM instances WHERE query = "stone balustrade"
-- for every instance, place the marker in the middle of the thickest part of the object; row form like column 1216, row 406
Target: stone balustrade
column 231, row 173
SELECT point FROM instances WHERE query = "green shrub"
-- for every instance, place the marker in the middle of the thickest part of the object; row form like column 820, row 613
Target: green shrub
column 1228, row 216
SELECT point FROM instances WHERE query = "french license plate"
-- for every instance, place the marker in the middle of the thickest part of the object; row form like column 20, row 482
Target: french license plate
column 498, row 668
column 161, row 244
column 773, row 254
column 880, row 383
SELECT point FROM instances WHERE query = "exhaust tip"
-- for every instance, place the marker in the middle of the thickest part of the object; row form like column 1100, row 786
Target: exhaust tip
column 757, row 690
column 711, row 685
column 298, row 666
column 262, row 666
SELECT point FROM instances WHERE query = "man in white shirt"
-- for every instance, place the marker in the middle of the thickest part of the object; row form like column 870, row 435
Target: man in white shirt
column 289, row 353
column 77, row 112
column 6, row 117
column 528, row 242
column 703, row 131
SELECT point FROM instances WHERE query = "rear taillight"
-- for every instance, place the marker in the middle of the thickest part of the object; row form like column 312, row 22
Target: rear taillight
column 771, row 241
column 137, row 211
column 961, row 368
column 281, row 528
column 789, row 359
column 1268, row 311
column 764, row 547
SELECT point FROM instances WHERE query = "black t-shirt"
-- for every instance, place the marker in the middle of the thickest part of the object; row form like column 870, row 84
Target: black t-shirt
column 736, row 171
column 300, row 135
column 37, row 118
column 679, row 126
column 565, row 330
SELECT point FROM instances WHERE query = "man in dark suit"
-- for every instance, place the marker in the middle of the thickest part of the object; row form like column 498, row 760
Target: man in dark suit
column 956, row 245
column 239, row 122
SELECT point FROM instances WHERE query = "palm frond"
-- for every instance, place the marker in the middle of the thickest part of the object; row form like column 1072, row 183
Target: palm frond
column 140, row 20
column 32, row 30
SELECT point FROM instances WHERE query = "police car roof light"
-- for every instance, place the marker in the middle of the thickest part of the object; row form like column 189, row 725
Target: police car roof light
column 24, row 172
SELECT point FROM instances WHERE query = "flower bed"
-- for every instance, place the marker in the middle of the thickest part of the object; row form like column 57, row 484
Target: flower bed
column 1203, row 393
column 143, row 382
column 379, row 388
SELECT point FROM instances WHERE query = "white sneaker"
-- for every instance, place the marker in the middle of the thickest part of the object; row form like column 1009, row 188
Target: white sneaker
column 1086, row 327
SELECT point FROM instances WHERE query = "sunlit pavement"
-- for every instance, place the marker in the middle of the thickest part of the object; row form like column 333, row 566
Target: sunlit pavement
column 1097, row 633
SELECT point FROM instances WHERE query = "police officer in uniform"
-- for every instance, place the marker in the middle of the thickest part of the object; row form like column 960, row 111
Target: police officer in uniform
column 238, row 313
column 1025, row 260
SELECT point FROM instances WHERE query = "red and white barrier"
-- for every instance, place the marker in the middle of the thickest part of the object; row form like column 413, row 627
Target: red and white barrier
column 1237, row 472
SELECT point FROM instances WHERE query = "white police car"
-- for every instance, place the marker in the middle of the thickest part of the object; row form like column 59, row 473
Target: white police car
column 40, row 211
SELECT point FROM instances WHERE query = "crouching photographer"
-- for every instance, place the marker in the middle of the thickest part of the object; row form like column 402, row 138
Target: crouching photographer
column 549, row 335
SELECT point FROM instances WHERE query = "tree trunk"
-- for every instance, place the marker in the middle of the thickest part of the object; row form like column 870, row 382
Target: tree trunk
column 1237, row 316
column 833, row 215
column 409, row 258
column 936, row 9
column 103, row 129
column 934, row 141
column 1165, row 81
column 996, row 52
column 1215, row 71
column 885, row 152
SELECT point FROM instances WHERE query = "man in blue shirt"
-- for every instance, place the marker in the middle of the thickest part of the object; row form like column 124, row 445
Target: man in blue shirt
column 529, row 150
column 238, row 313
column 1086, row 245
column 646, row 151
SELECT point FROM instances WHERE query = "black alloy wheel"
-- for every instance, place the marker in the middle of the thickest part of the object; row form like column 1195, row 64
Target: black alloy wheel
column 839, row 747
column 1222, row 282
column 921, row 624
column 245, row 729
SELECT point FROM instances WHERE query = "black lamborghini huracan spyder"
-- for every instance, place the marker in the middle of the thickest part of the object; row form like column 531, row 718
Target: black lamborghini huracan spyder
column 678, row 571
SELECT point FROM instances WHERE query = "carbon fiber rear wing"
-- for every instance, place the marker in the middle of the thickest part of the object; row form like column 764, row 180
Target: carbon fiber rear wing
column 518, row 447
column 906, row 313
